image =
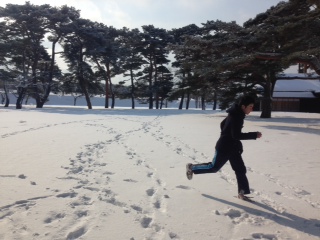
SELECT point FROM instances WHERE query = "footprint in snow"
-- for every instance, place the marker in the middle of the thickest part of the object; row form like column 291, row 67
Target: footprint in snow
column 145, row 222
column 65, row 195
column 54, row 216
column 77, row 233
column 264, row 236
column 137, row 208
column 22, row 176
column 183, row 187
column 150, row 192
column 130, row 180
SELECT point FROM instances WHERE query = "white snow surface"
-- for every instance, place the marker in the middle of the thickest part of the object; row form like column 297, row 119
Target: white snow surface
column 73, row 173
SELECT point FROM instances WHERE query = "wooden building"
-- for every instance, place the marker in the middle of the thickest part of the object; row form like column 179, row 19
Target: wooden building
column 297, row 93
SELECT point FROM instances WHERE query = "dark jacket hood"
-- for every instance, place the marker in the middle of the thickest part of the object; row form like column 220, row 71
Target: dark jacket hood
column 236, row 110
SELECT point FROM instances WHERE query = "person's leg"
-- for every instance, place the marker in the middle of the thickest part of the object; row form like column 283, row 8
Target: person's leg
column 219, row 159
column 240, row 170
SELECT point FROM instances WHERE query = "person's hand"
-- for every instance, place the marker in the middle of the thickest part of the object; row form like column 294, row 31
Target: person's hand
column 259, row 134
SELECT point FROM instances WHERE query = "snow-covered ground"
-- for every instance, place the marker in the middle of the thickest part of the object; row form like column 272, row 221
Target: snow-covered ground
column 73, row 173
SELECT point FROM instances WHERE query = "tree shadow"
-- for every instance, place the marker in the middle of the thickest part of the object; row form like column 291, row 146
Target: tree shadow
column 313, row 118
column 309, row 226
column 293, row 124
column 308, row 129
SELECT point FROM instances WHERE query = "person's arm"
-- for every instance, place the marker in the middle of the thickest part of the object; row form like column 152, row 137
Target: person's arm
column 236, row 127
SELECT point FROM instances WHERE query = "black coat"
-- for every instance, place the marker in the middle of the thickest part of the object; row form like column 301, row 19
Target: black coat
column 231, row 133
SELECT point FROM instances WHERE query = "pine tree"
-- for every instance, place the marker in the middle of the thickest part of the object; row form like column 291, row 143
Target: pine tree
column 155, row 53
column 132, row 59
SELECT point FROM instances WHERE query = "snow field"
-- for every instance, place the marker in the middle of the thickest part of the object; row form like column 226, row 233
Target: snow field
column 72, row 173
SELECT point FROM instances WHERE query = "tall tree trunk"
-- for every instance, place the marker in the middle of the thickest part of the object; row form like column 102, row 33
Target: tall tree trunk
column 157, row 99
column 188, row 100
column 107, row 65
column 82, row 81
column 196, row 102
column 132, row 89
column 112, row 95
column 21, row 94
column 106, row 104
column 49, row 80
column 266, row 102
column 113, row 100
column 161, row 103
column 266, row 105
column 7, row 100
column 181, row 100
column 35, row 85
column 156, row 84
column 106, row 78
column 215, row 100
column 85, row 92
column 150, row 86
column 182, row 95
column 22, row 90
column 203, row 101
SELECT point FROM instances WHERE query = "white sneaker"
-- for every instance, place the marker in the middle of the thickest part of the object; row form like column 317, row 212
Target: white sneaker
column 189, row 171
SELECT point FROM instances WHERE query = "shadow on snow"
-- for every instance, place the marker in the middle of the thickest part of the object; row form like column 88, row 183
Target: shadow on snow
column 309, row 226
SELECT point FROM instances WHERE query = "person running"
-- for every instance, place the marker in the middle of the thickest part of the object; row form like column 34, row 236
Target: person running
column 229, row 146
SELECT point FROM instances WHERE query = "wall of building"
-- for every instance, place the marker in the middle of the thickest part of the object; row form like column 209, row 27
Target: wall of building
column 311, row 105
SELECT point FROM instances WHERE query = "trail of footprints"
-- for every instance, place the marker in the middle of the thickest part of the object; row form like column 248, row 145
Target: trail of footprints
column 236, row 216
column 39, row 128
column 195, row 156
column 296, row 192
column 180, row 148
column 90, row 161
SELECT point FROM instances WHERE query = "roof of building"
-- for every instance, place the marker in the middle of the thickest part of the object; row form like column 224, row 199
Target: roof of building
column 297, row 86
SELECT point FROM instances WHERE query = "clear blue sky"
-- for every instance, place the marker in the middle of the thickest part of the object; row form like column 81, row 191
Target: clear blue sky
column 166, row 14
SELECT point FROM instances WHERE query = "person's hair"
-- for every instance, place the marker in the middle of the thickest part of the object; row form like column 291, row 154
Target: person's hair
column 246, row 100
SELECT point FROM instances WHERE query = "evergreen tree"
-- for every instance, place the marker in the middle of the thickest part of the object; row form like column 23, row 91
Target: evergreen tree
column 182, row 63
column 132, row 59
column 164, row 84
column 58, row 20
column 284, row 35
column 75, row 45
column 104, row 51
column 26, row 26
column 154, row 51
